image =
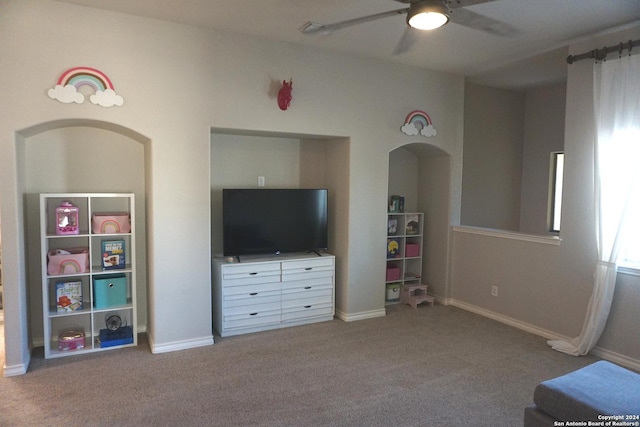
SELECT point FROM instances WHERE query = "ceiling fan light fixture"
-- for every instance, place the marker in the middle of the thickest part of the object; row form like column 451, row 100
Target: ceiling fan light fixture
column 427, row 15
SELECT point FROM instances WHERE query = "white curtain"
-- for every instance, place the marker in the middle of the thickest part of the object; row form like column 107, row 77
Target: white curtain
column 617, row 185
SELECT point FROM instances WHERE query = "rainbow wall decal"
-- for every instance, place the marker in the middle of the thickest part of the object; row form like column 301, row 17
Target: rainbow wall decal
column 418, row 123
column 69, row 84
column 85, row 76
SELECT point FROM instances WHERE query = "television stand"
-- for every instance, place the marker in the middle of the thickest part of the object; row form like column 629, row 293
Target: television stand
column 273, row 291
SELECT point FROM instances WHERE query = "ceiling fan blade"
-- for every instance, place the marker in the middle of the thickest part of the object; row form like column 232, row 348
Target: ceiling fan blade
column 314, row 27
column 476, row 21
column 455, row 4
column 452, row 4
column 406, row 42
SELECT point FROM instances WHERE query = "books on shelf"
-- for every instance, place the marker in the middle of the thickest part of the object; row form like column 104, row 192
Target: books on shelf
column 413, row 224
column 68, row 296
column 392, row 227
column 393, row 248
column 396, row 204
column 113, row 254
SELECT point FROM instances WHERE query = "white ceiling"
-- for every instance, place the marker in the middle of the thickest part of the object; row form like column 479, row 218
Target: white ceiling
column 534, row 56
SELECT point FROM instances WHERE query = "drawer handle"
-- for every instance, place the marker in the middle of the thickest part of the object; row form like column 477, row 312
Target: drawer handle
column 253, row 294
column 307, row 306
column 252, row 314
column 252, row 274
column 309, row 268
column 307, row 287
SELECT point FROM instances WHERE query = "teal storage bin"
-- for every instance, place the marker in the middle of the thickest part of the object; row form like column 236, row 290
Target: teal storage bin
column 109, row 291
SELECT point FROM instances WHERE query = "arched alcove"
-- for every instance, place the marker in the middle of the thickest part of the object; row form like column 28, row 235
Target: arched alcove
column 421, row 172
column 71, row 155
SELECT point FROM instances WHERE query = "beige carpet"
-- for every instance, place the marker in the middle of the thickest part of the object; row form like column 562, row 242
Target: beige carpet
column 434, row 366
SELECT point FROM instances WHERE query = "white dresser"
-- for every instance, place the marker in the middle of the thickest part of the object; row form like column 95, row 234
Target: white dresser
column 268, row 292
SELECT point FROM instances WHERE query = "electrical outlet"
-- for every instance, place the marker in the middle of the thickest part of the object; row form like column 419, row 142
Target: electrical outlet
column 261, row 181
column 494, row 290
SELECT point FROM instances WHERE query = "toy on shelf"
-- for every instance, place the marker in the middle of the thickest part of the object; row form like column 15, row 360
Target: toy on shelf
column 67, row 219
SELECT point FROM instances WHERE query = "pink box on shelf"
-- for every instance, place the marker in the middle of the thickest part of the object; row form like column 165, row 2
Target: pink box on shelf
column 110, row 223
column 412, row 250
column 68, row 261
column 393, row 273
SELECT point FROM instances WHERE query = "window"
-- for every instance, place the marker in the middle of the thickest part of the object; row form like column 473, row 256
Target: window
column 555, row 190
column 630, row 249
column 630, row 255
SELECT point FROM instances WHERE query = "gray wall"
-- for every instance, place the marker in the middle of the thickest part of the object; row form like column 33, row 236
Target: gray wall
column 543, row 134
column 545, row 285
column 492, row 169
column 509, row 136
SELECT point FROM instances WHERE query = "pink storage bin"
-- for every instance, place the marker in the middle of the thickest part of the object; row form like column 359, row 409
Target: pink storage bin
column 110, row 223
column 68, row 261
column 393, row 273
column 71, row 339
column 412, row 250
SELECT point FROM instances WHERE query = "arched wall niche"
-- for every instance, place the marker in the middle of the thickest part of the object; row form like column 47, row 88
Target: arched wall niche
column 421, row 172
column 71, row 155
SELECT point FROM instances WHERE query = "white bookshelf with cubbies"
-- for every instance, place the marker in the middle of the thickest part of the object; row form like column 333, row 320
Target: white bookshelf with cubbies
column 88, row 272
column 404, row 252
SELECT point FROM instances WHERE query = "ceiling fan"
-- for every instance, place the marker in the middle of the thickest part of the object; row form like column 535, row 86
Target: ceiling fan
column 424, row 15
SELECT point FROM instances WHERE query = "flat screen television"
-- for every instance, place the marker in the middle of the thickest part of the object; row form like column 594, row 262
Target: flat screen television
column 273, row 221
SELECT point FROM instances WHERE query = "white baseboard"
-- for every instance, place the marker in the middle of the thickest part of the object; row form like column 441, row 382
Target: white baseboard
column 15, row 370
column 602, row 353
column 360, row 316
column 508, row 320
column 179, row 345
column 616, row 358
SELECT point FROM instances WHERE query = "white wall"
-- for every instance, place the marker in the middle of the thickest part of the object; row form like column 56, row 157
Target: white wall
column 178, row 82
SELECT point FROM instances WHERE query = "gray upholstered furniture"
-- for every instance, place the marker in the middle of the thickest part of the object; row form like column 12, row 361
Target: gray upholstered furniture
column 594, row 393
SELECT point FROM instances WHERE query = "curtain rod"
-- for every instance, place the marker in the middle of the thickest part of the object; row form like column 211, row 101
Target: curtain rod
column 600, row 54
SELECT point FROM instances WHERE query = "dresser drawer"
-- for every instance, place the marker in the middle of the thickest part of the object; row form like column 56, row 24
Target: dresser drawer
column 240, row 268
column 257, row 307
column 307, row 311
column 308, row 282
column 239, row 275
column 255, row 300
column 307, row 295
column 307, row 264
column 295, row 275
column 251, row 288
column 255, row 318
